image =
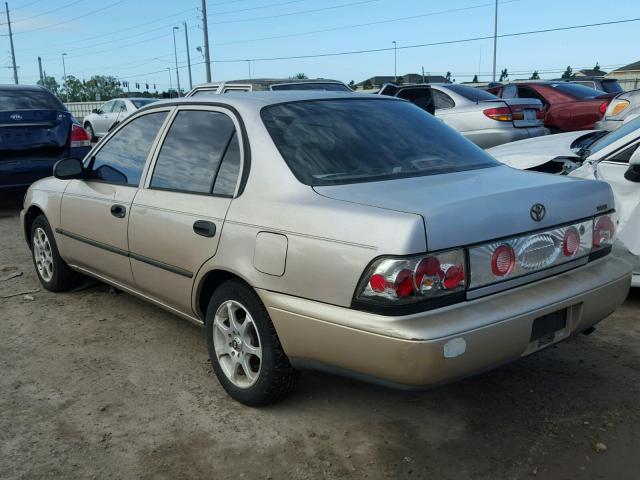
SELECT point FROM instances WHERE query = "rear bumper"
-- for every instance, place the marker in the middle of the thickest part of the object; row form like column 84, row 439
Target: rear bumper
column 491, row 137
column 441, row 345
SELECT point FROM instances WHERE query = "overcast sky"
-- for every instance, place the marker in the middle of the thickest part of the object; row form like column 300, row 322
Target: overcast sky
column 132, row 39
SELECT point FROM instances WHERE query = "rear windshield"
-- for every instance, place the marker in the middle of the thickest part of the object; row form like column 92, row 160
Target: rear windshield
column 29, row 100
column 331, row 87
column 577, row 91
column 329, row 142
column 611, row 137
column 139, row 103
column 611, row 86
column 471, row 93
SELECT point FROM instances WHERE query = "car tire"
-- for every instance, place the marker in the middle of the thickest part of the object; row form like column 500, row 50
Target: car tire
column 53, row 272
column 240, row 335
column 89, row 128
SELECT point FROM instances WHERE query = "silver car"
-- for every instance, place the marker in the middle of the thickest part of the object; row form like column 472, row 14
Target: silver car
column 623, row 108
column 102, row 119
column 268, row 84
column 343, row 232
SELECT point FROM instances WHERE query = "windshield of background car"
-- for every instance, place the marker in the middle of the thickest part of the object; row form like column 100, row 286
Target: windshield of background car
column 626, row 129
column 611, row 86
column 577, row 91
column 471, row 93
column 338, row 141
column 29, row 100
column 139, row 103
column 330, row 87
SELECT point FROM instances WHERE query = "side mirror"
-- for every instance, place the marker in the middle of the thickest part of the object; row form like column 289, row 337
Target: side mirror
column 68, row 168
column 633, row 172
column 95, row 110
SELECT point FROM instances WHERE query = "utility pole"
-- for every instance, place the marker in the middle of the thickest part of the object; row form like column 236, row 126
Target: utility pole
column 495, row 41
column 205, row 28
column 170, row 80
column 395, row 62
column 186, row 39
column 423, row 75
column 64, row 76
column 40, row 68
column 175, row 54
column 13, row 53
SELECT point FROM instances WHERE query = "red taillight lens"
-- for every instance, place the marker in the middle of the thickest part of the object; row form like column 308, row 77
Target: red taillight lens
column 79, row 137
column 604, row 231
column 501, row 114
column 541, row 114
column 399, row 281
column 503, row 260
column 570, row 242
column 603, row 107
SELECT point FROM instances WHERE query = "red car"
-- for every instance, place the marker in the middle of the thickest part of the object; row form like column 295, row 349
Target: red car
column 569, row 106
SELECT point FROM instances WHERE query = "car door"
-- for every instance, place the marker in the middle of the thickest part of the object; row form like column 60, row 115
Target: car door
column 177, row 218
column 627, row 194
column 95, row 210
column 101, row 121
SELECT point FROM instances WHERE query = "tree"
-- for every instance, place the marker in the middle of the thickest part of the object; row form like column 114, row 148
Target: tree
column 504, row 75
column 597, row 67
column 51, row 83
column 568, row 73
column 535, row 75
column 399, row 80
column 300, row 76
column 367, row 85
column 448, row 76
column 72, row 90
column 104, row 85
column 352, row 85
column 475, row 79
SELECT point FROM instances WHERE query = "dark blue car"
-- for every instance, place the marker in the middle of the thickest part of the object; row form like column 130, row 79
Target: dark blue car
column 36, row 131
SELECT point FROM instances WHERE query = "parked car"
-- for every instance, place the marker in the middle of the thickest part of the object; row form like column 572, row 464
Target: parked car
column 613, row 157
column 570, row 107
column 604, row 84
column 623, row 106
column 268, row 84
column 36, row 130
column 480, row 116
column 346, row 232
column 102, row 119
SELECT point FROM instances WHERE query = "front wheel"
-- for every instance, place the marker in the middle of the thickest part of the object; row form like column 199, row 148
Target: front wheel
column 244, row 348
column 54, row 274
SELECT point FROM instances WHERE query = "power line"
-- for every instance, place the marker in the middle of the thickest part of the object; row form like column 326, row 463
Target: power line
column 48, row 11
column 22, row 7
column 359, row 25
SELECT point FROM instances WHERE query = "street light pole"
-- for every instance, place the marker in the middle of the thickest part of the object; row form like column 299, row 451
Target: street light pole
column 13, row 53
column 395, row 62
column 186, row 39
column 170, row 81
column 495, row 41
column 175, row 54
column 64, row 76
column 249, row 64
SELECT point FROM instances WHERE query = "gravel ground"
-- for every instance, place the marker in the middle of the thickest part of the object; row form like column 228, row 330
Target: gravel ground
column 102, row 385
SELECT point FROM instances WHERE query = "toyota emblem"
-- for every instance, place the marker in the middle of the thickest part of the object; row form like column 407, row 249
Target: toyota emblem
column 538, row 212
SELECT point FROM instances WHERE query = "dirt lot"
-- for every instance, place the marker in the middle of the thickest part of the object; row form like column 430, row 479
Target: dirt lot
column 101, row 385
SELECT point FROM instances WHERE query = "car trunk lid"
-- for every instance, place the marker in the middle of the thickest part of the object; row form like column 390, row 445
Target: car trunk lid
column 34, row 130
column 476, row 206
column 525, row 112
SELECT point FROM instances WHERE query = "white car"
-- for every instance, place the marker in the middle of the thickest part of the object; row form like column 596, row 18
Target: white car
column 610, row 156
column 101, row 120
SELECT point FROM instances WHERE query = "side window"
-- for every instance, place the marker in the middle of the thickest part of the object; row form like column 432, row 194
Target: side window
column 119, row 106
column 121, row 160
column 228, row 174
column 524, row 92
column 510, row 91
column 107, row 107
column 442, row 100
column 192, row 152
column 625, row 155
column 202, row 93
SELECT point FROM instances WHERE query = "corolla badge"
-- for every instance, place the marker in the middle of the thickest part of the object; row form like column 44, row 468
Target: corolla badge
column 15, row 116
column 538, row 212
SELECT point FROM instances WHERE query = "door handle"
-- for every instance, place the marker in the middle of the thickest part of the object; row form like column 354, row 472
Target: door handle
column 204, row 228
column 118, row 211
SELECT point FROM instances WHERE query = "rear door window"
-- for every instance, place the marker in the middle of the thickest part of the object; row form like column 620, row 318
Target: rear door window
column 442, row 100
column 121, row 160
column 192, row 152
column 510, row 91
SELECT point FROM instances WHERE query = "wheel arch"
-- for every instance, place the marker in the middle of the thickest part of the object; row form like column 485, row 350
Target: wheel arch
column 208, row 284
column 30, row 215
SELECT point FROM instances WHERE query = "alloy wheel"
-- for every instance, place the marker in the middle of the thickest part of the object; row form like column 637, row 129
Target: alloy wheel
column 42, row 254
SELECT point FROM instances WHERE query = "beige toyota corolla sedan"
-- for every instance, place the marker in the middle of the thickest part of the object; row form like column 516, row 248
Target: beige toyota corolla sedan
column 336, row 231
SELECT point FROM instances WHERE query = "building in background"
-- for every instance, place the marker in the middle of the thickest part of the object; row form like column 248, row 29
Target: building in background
column 377, row 81
column 628, row 76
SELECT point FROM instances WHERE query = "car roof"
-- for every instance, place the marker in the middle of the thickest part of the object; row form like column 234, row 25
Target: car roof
column 269, row 81
column 33, row 88
column 257, row 100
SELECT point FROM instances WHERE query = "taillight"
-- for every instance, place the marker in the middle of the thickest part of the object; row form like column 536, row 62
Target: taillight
column 503, row 260
column 405, row 280
column 79, row 137
column 541, row 114
column 603, row 107
column 604, row 231
column 571, row 242
column 501, row 114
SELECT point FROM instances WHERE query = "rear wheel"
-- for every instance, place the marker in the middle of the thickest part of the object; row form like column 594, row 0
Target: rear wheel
column 54, row 274
column 89, row 128
column 244, row 348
